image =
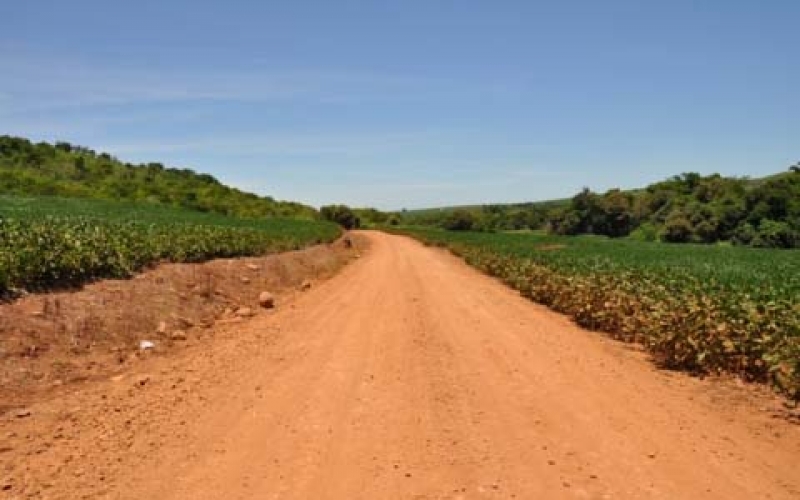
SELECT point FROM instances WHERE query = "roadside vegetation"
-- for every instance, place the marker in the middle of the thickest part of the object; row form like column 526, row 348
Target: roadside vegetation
column 704, row 309
column 55, row 242
column 69, row 215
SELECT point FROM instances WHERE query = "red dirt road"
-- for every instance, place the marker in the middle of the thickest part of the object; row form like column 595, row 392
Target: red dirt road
column 411, row 376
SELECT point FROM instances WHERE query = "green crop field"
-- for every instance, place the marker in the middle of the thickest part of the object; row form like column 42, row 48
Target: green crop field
column 46, row 242
column 694, row 307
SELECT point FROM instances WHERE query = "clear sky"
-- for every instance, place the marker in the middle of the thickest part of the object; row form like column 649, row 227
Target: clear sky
column 412, row 103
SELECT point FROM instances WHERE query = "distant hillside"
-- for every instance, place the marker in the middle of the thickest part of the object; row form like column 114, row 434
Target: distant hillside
column 690, row 207
column 496, row 216
column 71, row 171
column 437, row 212
column 422, row 212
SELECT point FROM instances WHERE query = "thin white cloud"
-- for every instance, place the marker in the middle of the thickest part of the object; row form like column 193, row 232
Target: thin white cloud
column 39, row 83
column 265, row 145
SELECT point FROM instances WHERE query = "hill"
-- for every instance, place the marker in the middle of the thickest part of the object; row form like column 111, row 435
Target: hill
column 66, row 170
column 69, row 215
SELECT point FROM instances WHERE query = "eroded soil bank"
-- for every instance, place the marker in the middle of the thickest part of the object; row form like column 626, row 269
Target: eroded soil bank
column 54, row 340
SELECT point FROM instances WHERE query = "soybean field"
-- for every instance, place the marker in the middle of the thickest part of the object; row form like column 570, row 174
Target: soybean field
column 51, row 242
column 701, row 308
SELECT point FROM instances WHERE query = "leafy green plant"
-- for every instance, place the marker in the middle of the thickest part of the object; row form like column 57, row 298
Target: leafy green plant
column 47, row 242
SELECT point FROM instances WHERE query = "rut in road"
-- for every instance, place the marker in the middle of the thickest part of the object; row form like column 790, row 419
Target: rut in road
column 412, row 376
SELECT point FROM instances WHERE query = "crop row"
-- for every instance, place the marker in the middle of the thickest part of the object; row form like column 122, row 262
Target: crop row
column 42, row 252
column 736, row 318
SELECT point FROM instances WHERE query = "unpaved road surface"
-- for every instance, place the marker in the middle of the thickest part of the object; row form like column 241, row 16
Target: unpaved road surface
column 411, row 376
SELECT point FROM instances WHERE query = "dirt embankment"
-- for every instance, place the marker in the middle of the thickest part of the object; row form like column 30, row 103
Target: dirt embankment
column 49, row 341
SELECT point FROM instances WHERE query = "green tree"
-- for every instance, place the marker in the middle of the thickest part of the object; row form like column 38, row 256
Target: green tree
column 340, row 214
column 776, row 234
column 677, row 229
column 616, row 217
column 459, row 220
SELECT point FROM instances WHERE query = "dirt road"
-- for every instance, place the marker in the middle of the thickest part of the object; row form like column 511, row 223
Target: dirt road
column 411, row 376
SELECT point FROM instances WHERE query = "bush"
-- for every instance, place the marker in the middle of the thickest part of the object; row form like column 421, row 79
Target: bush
column 706, row 232
column 744, row 234
column 774, row 234
column 677, row 230
column 459, row 220
column 645, row 232
column 340, row 214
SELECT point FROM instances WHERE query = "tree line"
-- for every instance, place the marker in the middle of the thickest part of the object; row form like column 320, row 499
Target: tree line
column 685, row 208
column 354, row 218
column 688, row 208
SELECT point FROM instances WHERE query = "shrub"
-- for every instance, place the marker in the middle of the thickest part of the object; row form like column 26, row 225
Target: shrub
column 459, row 220
column 645, row 232
column 677, row 229
column 775, row 234
column 342, row 215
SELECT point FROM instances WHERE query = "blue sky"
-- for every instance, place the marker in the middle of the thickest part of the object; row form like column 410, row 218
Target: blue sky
column 412, row 103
